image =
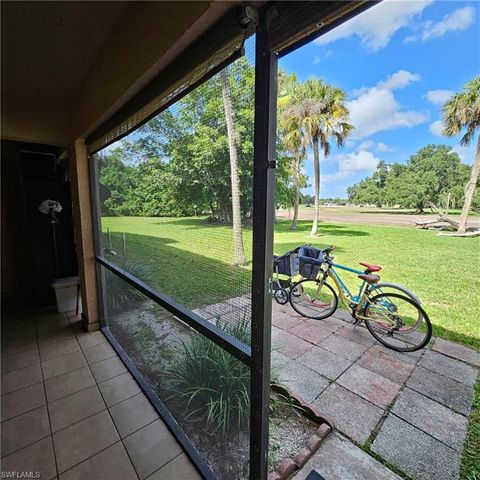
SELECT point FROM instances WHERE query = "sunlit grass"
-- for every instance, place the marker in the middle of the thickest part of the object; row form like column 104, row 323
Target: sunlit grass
column 190, row 260
column 470, row 468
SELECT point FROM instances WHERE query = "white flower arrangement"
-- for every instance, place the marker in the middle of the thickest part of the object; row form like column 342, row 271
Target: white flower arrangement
column 48, row 205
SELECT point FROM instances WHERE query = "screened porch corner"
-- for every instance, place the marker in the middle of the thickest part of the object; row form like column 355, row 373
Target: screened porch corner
column 173, row 325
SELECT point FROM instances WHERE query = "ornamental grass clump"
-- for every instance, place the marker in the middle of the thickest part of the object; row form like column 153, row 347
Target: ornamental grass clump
column 211, row 385
column 120, row 294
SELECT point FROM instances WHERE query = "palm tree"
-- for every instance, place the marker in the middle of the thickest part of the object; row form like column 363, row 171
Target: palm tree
column 321, row 113
column 463, row 111
column 238, row 250
column 292, row 136
column 293, row 139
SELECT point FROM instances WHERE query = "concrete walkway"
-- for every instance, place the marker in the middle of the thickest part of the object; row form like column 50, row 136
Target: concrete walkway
column 411, row 408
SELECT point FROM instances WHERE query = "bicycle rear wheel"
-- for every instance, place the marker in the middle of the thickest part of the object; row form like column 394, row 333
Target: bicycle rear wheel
column 397, row 322
column 313, row 299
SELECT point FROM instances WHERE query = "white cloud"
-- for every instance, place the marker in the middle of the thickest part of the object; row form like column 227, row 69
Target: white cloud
column 410, row 39
column 383, row 147
column 376, row 110
column 320, row 58
column 376, row 26
column 379, row 147
column 366, row 145
column 466, row 154
column 438, row 97
column 351, row 163
column 399, row 79
column 459, row 20
column 436, row 128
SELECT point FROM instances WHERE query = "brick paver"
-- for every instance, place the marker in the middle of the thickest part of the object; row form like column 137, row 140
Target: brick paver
column 352, row 415
column 285, row 322
column 289, row 344
column 449, row 367
column 433, row 418
column 442, row 389
column 302, row 379
column 410, row 357
column 331, row 323
column 416, row 452
column 324, row 362
column 369, row 385
column 343, row 347
column 376, row 360
column 457, row 351
column 314, row 333
column 357, row 334
column 344, row 315
column 340, row 459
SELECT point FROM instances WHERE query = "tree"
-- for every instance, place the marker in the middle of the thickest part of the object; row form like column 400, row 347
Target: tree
column 307, row 199
column 411, row 190
column 238, row 250
column 293, row 139
column 321, row 113
column 429, row 176
column 463, row 111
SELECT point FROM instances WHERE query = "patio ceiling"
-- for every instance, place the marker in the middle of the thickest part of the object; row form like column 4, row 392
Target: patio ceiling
column 68, row 65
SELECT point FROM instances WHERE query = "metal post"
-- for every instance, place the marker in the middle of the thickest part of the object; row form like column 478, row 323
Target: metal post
column 263, row 215
column 124, row 244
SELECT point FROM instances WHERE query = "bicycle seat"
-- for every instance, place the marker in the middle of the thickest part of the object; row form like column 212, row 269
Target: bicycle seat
column 371, row 268
column 370, row 279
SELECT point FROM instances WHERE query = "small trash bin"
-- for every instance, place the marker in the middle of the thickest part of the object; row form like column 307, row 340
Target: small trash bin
column 66, row 292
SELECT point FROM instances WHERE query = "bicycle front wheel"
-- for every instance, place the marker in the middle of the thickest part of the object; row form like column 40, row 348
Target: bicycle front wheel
column 397, row 322
column 313, row 299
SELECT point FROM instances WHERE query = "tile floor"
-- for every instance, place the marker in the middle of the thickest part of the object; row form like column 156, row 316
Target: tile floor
column 70, row 410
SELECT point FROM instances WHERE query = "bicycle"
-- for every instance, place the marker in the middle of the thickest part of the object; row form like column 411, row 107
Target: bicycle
column 395, row 319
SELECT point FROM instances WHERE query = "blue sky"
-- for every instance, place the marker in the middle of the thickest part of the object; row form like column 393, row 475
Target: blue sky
column 398, row 63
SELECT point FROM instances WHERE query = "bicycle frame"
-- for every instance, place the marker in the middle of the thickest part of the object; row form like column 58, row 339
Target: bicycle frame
column 344, row 291
column 355, row 302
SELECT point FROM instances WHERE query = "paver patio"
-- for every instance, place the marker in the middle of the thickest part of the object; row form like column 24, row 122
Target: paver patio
column 411, row 408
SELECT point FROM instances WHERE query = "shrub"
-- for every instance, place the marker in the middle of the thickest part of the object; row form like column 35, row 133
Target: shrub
column 120, row 294
column 209, row 383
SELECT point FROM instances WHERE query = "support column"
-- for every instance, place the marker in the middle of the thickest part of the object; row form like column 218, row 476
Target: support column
column 84, row 237
column 263, row 214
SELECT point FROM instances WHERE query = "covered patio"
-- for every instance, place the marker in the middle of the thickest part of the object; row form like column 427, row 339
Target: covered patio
column 82, row 395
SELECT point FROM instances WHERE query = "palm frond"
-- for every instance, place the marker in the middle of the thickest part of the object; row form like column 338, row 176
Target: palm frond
column 463, row 111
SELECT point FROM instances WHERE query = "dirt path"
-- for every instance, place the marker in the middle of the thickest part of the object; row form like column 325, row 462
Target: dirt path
column 368, row 216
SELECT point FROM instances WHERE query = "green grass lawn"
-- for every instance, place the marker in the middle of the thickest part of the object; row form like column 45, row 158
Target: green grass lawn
column 189, row 259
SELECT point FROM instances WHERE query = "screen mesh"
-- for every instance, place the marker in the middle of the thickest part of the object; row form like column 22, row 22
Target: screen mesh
column 175, row 197
column 205, row 389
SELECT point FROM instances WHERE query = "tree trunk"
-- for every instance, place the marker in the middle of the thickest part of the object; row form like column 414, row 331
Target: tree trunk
column 238, row 250
column 296, row 201
column 470, row 190
column 316, row 170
